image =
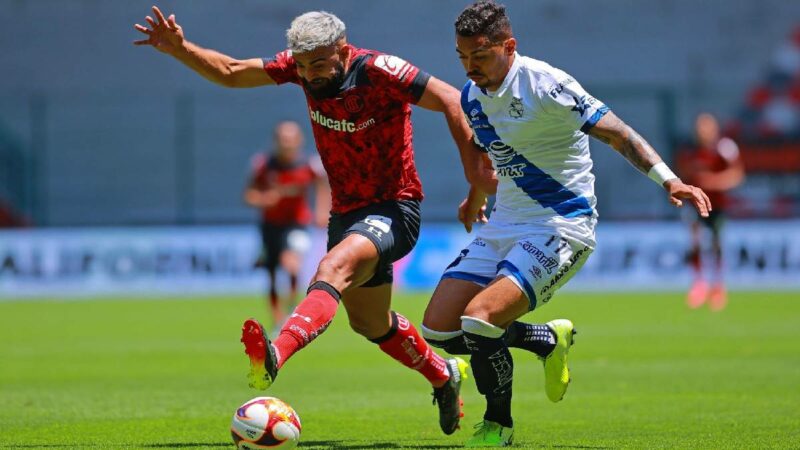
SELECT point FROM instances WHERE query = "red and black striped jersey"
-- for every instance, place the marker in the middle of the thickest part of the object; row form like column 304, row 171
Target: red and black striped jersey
column 364, row 133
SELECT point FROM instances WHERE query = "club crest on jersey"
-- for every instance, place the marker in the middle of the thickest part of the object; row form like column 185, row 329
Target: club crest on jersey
column 515, row 109
column 395, row 66
column 353, row 103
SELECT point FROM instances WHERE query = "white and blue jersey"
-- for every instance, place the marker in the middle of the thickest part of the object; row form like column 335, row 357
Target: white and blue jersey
column 534, row 129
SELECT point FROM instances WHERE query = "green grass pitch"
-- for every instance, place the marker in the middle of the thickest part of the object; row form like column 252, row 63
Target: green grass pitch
column 169, row 373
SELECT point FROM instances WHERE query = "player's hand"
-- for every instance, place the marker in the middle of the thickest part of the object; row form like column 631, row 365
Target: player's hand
column 678, row 191
column 164, row 33
column 472, row 210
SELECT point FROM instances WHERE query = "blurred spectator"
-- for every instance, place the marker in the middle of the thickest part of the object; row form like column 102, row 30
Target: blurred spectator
column 715, row 166
column 772, row 107
column 8, row 218
column 279, row 186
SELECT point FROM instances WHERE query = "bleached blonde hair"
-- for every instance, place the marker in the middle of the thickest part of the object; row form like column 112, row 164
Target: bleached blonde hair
column 313, row 30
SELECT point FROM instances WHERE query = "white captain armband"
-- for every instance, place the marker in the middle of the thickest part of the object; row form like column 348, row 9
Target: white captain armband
column 661, row 173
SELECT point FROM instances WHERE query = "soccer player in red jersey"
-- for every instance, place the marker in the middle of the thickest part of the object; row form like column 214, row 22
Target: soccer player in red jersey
column 278, row 187
column 359, row 102
column 715, row 166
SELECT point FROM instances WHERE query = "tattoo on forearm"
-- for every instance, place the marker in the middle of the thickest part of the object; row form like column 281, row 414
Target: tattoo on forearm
column 636, row 150
column 622, row 138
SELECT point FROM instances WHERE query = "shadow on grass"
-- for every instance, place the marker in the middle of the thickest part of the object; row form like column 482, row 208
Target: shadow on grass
column 159, row 445
column 591, row 447
column 350, row 445
column 363, row 445
column 49, row 446
column 367, row 445
column 53, row 445
column 189, row 445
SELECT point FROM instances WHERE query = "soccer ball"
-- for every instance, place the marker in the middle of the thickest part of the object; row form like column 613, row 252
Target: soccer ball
column 265, row 422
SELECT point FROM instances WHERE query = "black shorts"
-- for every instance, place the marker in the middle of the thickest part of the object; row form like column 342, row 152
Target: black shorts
column 275, row 239
column 393, row 227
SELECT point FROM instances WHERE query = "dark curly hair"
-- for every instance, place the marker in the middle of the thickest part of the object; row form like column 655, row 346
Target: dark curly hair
column 484, row 18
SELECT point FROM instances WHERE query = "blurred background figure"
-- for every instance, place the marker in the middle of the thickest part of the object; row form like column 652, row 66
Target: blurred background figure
column 279, row 187
column 715, row 166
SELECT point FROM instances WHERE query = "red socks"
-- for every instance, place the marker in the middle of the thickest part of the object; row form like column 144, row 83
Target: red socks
column 404, row 344
column 311, row 317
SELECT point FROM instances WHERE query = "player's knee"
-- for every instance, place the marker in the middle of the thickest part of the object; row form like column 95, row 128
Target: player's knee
column 477, row 310
column 444, row 310
column 334, row 270
column 450, row 341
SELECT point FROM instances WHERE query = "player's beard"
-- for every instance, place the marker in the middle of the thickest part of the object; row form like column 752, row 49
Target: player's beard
column 330, row 88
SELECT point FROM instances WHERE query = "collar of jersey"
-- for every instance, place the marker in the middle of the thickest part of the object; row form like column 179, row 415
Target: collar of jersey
column 512, row 72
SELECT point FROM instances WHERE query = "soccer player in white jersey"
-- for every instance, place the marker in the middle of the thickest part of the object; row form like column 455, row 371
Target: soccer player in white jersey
column 533, row 120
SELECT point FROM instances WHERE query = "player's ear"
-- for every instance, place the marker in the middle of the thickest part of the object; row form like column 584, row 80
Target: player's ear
column 344, row 51
column 510, row 46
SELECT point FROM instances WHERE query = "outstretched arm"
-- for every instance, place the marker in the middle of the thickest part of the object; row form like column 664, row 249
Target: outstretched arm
column 165, row 35
column 616, row 133
column 440, row 96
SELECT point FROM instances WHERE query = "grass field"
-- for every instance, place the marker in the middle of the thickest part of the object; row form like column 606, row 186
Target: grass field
column 647, row 373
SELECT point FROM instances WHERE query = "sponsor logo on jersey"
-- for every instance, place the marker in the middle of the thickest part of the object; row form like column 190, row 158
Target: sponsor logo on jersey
column 560, row 87
column 339, row 124
column 393, row 65
column 501, row 152
column 548, row 262
column 563, row 271
column 479, row 242
column 516, row 109
column 512, row 171
column 378, row 226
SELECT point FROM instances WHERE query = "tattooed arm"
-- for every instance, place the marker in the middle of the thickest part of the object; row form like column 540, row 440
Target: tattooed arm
column 622, row 138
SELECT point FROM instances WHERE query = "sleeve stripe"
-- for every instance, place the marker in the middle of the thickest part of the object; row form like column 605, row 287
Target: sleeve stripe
column 594, row 119
column 418, row 85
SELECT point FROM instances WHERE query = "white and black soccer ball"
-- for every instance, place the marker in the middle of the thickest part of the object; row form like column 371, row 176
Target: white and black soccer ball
column 265, row 422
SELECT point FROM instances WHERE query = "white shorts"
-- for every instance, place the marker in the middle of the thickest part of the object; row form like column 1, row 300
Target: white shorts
column 539, row 263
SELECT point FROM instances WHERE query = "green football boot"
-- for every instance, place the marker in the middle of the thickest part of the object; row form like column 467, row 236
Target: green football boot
column 556, row 372
column 491, row 434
